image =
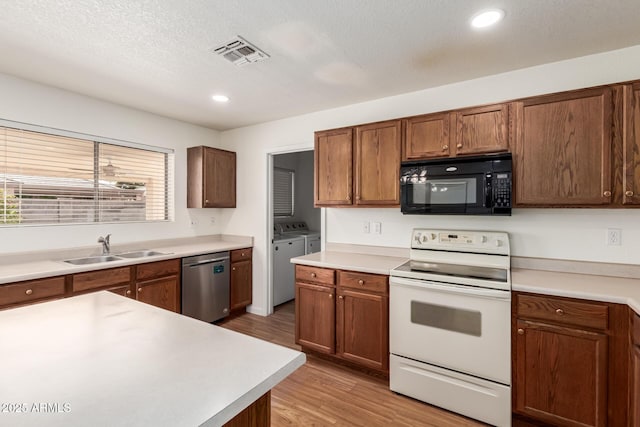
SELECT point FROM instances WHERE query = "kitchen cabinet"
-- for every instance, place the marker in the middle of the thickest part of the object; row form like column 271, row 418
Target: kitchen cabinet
column 241, row 279
column 426, row 136
column 482, row 130
column 630, row 167
column 377, row 164
column 333, row 167
column 562, row 149
column 158, row 283
column 568, row 367
column 211, row 178
column 31, row 291
column 362, row 324
column 634, row 372
column 315, row 308
column 360, row 173
column 353, row 327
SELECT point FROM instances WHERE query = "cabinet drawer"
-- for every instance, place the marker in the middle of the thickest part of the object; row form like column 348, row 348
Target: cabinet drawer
column 157, row 269
column 363, row 281
column 100, row 278
column 31, row 290
column 240, row 254
column 635, row 330
column 325, row 276
column 560, row 310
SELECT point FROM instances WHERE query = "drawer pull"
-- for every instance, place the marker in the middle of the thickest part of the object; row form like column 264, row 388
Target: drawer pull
column 445, row 147
column 628, row 193
column 520, row 331
column 139, row 289
column 242, row 253
column 128, row 291
column 234, row 269
column 28, row 291
column 330, row 295
column 313, row 275
column 340, row 296
column 361, row 282
column 559, row 312
column 459, row 145
column 607, row 193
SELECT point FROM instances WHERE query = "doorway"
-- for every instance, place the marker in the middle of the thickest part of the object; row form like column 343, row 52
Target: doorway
column 294, row 223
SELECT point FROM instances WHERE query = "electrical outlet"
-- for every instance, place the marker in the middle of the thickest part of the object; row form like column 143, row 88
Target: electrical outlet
column 377, row 227
column 614, row 237
column 366, row 228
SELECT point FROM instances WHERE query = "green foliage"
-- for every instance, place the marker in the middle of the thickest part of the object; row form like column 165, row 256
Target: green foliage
column 8, row 209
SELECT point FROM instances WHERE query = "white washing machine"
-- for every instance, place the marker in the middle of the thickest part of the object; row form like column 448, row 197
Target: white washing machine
column 300, row 228
column 282, row 250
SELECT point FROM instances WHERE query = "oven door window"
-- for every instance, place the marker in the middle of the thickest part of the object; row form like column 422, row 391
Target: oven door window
column 459, row 193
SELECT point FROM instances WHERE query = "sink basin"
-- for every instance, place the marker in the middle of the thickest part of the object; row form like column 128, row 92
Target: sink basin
column 92, row 259
column 140, row 254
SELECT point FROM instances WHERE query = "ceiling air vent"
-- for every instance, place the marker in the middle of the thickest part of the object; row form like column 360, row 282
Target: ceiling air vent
column 240, row 52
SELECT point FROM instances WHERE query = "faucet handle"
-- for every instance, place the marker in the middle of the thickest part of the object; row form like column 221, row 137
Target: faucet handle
column 107, row 238
column 104, row 239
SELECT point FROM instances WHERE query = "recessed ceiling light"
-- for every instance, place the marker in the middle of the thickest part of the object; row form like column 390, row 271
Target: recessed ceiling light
column 220, row 98
column 487, row 18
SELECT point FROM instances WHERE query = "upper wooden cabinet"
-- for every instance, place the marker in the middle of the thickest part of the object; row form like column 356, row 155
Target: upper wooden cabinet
column 375, row 158
column 333, row 164
column 482, row 130
column 426, row 136
column 630, row 193
column 563, row 146
column 211, row 178
column 377, row 164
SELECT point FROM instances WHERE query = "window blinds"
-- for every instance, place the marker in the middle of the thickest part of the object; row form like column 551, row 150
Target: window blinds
column 53, row 179
column 283, row 192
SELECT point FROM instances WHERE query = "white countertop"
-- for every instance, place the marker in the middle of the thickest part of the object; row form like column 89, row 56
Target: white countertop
column 22, row 268
column 365, row 263
column 585, row 286
column 104, row 360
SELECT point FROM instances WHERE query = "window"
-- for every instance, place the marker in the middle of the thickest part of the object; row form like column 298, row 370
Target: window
column 67, row 178
column 283, row 190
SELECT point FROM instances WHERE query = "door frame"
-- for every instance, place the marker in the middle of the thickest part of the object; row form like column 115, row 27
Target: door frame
column 269, row 213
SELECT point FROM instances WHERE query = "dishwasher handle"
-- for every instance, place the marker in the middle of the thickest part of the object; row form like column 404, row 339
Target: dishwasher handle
column 207, row 261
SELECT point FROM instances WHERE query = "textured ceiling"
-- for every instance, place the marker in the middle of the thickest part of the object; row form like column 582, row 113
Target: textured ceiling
column 155, row 55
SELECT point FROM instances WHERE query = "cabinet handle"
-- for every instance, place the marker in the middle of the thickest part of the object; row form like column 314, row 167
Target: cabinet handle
column 348, row 198
column 559, row 312
column 28, row 291
column 139, row 289
column 360, row 282
column 607, row 193
column 330, row 295
column 628, row 193
column 520, row 331
column 313, row 275
column 242, row 253
column 445, row 147
column 128, row 292
column 234, row 269
column 459, row 145
column 340, row 296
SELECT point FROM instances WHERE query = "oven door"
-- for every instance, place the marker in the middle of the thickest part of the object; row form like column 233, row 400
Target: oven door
column 452, row 194
column 462, row 328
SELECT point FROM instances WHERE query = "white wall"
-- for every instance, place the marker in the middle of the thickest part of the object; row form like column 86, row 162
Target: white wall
column 28, row 102
column 566, row 234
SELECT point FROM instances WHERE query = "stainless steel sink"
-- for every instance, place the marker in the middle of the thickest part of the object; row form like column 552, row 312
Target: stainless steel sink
column 140, row 254
column 92, row 259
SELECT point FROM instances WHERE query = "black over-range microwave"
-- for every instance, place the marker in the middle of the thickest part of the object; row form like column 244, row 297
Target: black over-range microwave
column 479, row 185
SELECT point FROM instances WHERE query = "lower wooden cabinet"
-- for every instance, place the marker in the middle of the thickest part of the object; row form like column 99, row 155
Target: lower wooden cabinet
column 352, row 327
column 570, row 361
column 634, row 372
column 241, row 290
column 163, row 293
column 31, row 291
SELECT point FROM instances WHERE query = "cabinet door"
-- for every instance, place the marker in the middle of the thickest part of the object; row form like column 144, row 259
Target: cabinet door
column 563, row 149
column 333, row 164
column 219, row 178
column 482, row 130
column 163, row 293
column 426, row 136
column 362, row 328
column 241, row 289
column 631, row 145
column 316, row 317
column 377, row 164
column 634, row 410
column 554, row 365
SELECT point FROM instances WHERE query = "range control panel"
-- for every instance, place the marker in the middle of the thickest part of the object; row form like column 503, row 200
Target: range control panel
column 463, row 241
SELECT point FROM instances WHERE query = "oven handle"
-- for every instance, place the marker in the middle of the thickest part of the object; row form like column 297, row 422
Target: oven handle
column 451, row 288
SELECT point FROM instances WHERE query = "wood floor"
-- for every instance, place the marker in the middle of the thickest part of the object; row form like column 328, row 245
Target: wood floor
column 322, row 393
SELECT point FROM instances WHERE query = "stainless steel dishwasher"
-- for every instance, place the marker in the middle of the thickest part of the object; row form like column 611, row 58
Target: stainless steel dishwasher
column 205, row 286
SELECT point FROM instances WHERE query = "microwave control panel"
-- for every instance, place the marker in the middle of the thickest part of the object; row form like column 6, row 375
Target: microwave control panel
column 501, row 190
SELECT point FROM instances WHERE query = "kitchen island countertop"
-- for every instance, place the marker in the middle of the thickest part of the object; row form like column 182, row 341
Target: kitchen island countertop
column 104, row 360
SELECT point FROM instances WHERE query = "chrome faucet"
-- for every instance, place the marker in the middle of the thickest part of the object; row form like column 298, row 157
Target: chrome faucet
column 106, row 246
